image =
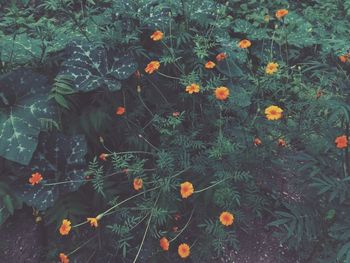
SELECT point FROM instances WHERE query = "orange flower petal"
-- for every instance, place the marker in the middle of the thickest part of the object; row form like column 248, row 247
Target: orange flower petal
column 184, row 250
column 226, row 218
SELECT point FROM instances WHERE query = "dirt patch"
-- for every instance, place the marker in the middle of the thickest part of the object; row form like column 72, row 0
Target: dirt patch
column 21, row 239
column 259, row 246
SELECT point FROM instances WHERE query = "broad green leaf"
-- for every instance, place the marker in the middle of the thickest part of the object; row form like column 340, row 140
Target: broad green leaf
column 58, row 158
column 243, row 26
column 8, row 203
column 23, row 102
column 229, row 68
column 19, row 49
column 297, row 31
column 95, row 67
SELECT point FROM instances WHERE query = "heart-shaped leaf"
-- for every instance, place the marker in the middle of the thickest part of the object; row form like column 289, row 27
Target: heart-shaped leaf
column 252, row 32
column 58, row 158
column 23, row 104
column 94, row 67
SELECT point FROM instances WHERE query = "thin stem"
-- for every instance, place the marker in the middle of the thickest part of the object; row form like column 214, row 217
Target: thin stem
column 89, row 180
column 204, row 189
column 148, row 142
column 144, row 104
column 155, row 86
column 82, row 245
column 167, row 76
column 146, row 230
column 186, row 225
column 128, row 199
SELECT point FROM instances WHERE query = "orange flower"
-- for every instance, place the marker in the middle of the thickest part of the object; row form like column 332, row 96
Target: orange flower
column 157, row 35
column 221, row 56
column 257, row 141
column 120, row 111
column 177, row 217
column 186, row 189
column 282, row 143
column 345, row 58
column 184, row 250
column 245, row 43
column 35, row 179
column 226, row 218
column 281, row 13
column 138, row 184
column 273, row 112
column 221, row 93
column 64, row 258
column 152, row 66
column 193, row 88
column 164, row 243
column 209, row 65
column 103, row 156
column 65, row 227
column 93, row 221
column 271, row 68
column 341, row 141
column 319, row 93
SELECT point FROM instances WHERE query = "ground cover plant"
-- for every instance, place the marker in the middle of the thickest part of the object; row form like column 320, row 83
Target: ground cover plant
column 153, row 131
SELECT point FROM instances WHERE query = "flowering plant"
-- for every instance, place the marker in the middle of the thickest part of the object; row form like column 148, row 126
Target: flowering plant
column 155, row 131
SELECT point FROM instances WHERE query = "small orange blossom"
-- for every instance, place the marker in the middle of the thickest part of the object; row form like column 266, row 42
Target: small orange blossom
column 193, row 88
column 93, row 221
column 341, row 141
column 120, row 111
column 273, row 112
column 184, row 250
column 257, row 141
column 222, row 93
column 35, row 179
column 281, row 13
column 245, row 43
column 138, row 183
column 157, row 35
column 209, row 65
column 65, row 227
column 152, row 66
column 226, row 218
column 186, row 189
column 221, row 56
column 64, row 258
column 271, row 68
column 164, row 243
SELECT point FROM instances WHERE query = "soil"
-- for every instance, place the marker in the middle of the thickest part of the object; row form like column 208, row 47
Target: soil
column 22, row 239
column 259, row 246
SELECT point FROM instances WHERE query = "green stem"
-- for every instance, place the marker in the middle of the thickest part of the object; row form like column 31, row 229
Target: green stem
column 146, row 230
column 167, row 76
column 204, row 189
column 186, row 225
column 128, row 199
column 82, row 245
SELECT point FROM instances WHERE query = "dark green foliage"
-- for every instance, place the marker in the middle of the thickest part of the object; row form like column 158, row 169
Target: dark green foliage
column 94, row 67
column 58, row 158
column 23, row 104
column 67, row 65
